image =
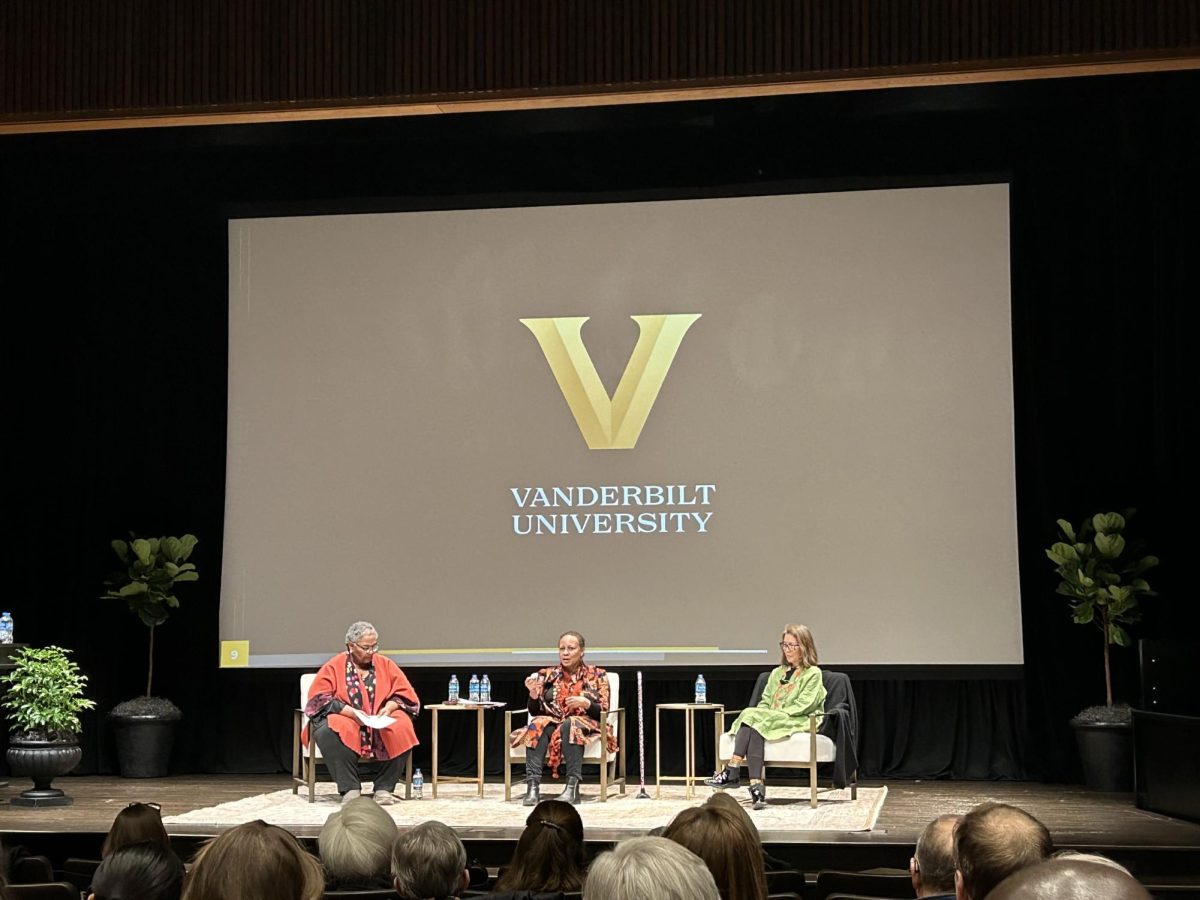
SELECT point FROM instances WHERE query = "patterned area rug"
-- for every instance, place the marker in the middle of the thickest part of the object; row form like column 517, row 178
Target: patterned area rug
column 623, row 815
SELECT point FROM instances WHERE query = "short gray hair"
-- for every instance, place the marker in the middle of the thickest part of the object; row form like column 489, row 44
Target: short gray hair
column 649, row 868
column 355, row 632
column 428, row 861
column 356, row 842
column 934, row 853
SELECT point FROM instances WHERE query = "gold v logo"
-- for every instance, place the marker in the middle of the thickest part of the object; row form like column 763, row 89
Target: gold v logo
column 611, row 424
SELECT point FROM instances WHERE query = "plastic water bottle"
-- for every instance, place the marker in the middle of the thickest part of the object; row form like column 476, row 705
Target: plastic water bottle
column 485, row 689
column 473, row 689
column 452, row 694
column 6, row 629
column 418, row 784
column 701, row 690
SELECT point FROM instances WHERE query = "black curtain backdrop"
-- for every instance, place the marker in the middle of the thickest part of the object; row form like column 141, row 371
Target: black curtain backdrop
column 115, row 278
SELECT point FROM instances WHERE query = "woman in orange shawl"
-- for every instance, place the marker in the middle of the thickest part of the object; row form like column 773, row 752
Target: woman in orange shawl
column 361, row 681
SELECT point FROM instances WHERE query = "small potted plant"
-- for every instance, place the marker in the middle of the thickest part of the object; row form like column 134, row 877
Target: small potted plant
column 145, row 726
column 1101, row 575
column 44, row 697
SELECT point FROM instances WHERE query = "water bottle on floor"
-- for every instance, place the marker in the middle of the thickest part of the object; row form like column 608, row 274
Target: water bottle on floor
column 701, row 690
column 473, row 689
column 485, row 689
column 6, row 629
column 418, row 784
column 452, row 694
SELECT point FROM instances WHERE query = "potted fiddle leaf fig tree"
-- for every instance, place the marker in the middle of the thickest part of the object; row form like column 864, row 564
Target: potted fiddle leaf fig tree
column 1100, row 574
column 145, row 726
column 44, row 697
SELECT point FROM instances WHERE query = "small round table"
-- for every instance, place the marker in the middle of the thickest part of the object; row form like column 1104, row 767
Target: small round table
column 689, row 778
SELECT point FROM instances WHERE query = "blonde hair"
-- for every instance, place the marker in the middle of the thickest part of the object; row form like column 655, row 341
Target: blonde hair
column 808, row 646
column 254, row 860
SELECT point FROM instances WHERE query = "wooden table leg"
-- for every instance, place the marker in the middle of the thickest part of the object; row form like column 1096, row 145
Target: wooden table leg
column 433, row 784
column 479, row 748
column 689, row 753
column 657, row 755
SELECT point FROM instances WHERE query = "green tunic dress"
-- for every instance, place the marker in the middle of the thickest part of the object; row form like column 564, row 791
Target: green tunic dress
column 785, row 706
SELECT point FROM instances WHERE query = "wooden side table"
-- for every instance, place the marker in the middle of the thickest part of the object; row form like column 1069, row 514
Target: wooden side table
column 479, row 710
column 689, row 777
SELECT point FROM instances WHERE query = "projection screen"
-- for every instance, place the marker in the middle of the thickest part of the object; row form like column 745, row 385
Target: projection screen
column 675, row 426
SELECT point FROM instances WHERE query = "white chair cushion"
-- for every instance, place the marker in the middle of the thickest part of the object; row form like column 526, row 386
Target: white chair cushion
column 792, row 749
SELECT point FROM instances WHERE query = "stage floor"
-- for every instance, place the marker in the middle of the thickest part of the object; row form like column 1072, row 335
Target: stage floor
column 1075, row 816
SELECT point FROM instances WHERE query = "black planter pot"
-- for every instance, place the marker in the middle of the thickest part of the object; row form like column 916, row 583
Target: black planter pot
column 43, row 761
column 1107, row 753
column 144, row 745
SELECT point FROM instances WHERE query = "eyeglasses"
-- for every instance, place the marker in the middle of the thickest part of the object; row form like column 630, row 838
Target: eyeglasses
column 151, row 805
column 374, row 648
column 785, row 646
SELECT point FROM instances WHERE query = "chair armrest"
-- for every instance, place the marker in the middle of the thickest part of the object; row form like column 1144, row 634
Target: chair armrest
column 508, row 718
column 731, row 712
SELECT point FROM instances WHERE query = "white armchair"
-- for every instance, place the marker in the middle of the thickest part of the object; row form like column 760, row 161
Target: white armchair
column 305, row 759
column 803, row 750
column 612, row 765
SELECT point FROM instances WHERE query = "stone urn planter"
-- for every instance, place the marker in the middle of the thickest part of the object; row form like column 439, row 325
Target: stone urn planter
column 43, row 694
column 43, row 761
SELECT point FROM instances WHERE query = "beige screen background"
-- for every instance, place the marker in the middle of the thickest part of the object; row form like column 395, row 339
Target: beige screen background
column 846, row 392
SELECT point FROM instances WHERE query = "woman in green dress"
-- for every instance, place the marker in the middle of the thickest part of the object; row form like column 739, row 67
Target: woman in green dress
column 794, row 692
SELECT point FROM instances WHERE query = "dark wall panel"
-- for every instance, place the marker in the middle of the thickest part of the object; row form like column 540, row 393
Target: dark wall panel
column 107, row 57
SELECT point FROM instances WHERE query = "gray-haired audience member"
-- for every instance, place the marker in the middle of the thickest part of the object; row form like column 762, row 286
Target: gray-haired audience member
column 356, row 846
column 143, row 871
column 991, row 842
column 429, row 861
column 1070, row 878
column 932, row 865
column 649, row 868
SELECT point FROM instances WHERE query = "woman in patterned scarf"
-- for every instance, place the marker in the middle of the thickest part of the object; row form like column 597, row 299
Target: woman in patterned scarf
column 566, row 705
column 794, row 691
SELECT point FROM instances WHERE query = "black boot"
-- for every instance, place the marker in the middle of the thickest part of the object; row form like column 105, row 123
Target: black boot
column 727, row 777
column 758, row 793
column 533, row 792
column 571, row 794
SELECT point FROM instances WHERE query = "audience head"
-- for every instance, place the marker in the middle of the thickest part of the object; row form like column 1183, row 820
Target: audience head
column 991, row 842
column 429, row 861
column 356, row 843
column 723, row 800
column 254, row 860
column 550, row 855
column 145, row 871
column 932, row 864
column 1070, row 878
column 806, row 649
column 136, row 824
column 729, row 848
column 649, row 868
column 1077, row 856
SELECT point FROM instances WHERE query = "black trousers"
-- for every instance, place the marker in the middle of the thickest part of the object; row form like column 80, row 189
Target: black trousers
column 535, row 756
column 346, row 767
column 752, row 747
